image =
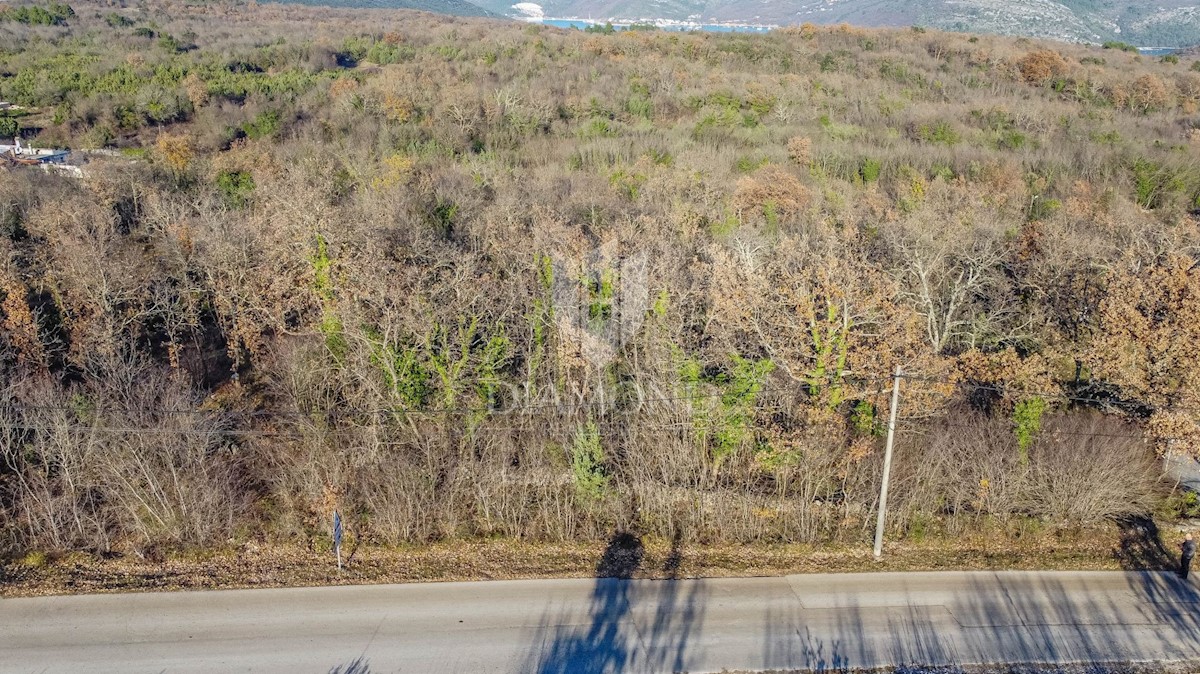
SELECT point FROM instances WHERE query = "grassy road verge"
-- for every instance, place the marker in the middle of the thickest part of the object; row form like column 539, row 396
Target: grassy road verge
column 252, row 565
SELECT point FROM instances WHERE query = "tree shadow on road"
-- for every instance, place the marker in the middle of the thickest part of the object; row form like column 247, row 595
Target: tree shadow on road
column 1001, row 617
column 615, row 636
column 1141, row 546
column 359, row 665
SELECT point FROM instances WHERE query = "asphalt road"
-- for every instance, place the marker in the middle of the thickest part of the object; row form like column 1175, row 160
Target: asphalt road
column 822, row 622
column 1182, row 469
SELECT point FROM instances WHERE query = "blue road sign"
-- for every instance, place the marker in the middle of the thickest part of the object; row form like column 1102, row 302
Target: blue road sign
column 337, row 529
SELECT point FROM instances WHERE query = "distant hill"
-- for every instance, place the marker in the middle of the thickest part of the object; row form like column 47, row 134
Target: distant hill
column 1167, row 23
column 450, row 7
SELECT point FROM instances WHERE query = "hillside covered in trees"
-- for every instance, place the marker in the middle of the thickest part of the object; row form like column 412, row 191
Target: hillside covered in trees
column 467, row 278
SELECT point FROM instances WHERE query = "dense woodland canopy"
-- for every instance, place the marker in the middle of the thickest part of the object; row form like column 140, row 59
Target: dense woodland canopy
column 463, row 277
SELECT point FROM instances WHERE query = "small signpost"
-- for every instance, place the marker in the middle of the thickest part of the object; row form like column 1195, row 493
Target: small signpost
column 337, row 537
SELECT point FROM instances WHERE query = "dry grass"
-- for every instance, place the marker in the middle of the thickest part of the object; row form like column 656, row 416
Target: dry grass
column 282, row 566
column 1031, row 668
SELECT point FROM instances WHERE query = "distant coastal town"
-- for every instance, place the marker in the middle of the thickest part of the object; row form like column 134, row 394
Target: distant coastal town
column 533, row 13
column 659, row 24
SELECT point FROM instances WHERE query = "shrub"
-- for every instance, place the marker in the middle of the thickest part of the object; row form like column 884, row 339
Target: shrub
column 587, row 463
column 599, row 128
column 1154, row 182
column 749, row 164
column 1082, row 468
column 160, row 106
column 1087, row 469
column 717, row 124
column 264, row 125
column 1042, row 207
column 863, row 420
column 1011, row 140
column 1122, row 46
column 1181, row 504
column 1027, row 419
column 117, row 21
column 169, row 44
column 799, row 149
column 942, row 171
column 869, row 170
column 176, row 150
column 901, row 74
column 640, row 105
column 939, row 132
column 1039, row 66
column 660, row 157
column 774, row 185
column 628, row 182
column 55, row 14
column 235, row 187
column 1148, row 93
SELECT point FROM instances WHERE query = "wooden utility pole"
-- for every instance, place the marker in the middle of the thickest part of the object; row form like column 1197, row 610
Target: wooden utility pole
column 887, row 464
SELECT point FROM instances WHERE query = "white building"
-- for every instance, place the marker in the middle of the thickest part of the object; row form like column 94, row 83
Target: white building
column 19, row 154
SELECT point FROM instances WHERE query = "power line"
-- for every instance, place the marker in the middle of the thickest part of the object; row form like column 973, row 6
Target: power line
column 557, row 406
column 683, row 426
column 940, row 424
column 608, row 407
column 76, row 428
column 1054, row 394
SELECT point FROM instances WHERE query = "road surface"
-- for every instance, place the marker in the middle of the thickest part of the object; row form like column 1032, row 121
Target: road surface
column 820, row 622
column 1183, row 470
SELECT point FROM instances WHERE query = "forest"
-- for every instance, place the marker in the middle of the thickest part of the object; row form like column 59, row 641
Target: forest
column 464, row 278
